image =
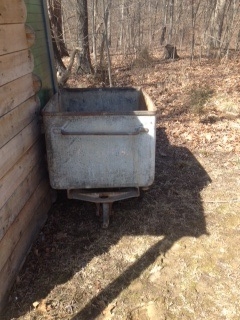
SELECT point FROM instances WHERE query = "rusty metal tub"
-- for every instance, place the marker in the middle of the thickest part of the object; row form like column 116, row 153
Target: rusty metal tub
column 100, row 143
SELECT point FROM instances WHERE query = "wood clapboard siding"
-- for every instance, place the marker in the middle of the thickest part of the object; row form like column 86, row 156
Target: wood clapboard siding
column 12, row 11
column 15, row 65
column 15, row 92
column 19, row 172
column 17, row 119
column 16, row 229
column 23, row 192
column 18, row 255
column 11, row 152
column 25, row 196
column 8, row 42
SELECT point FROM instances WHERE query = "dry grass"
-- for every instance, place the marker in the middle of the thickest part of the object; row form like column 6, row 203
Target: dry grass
column 143, row 59
column 199, row 98
column 170, row 255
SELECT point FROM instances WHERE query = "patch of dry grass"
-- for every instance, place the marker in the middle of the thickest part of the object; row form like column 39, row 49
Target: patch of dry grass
column 227, row 103
column 142, row 59
column 199, row 98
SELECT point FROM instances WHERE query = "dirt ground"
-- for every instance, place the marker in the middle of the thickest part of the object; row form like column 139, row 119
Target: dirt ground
column 171, row 254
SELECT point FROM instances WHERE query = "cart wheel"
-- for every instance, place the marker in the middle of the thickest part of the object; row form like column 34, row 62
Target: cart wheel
column 106, row 207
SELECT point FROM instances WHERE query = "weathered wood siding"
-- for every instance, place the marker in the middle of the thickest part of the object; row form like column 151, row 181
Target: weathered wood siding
column 24, row 187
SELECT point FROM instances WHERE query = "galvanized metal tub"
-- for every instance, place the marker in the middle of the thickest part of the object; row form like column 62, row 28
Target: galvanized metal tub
column 100, row 139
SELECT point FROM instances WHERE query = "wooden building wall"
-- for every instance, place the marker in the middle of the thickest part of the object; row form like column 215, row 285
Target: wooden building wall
column 41, row 52
column 24, row 187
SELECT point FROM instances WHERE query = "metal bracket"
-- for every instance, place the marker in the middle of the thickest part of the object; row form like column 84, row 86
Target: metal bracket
column 103, row 198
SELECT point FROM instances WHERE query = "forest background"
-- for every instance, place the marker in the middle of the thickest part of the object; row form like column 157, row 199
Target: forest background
column 105, row 28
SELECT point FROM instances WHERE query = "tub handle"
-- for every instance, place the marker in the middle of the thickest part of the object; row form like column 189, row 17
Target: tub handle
column 137, row 131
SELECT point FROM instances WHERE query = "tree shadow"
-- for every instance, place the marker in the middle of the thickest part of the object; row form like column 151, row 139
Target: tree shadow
column 171, row 209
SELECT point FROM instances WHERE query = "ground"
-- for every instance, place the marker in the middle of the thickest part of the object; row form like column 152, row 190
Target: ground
column 171, row 254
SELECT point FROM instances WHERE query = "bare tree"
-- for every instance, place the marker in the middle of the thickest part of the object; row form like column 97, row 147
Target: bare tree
column 94, row 31
column 64, row 76
column 84, row 61
column 106, row 9
column 55, row 16
column 218, row 20
column 55, row 19
column 171, row 19
column 198, row 26
column 163, row 35
column 194, row 10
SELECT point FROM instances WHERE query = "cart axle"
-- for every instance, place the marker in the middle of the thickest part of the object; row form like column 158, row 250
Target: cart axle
column 103, row 198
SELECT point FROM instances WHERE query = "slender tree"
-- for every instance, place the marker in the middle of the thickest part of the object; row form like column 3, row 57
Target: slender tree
column 194, row 10
column 196, row 25
column 94, row 31
column 106, row 18
column 55, row 17
column 84, row 61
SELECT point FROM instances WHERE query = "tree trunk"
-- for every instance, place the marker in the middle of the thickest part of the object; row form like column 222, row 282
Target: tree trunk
column 58, row 59
column 55, row 18
column 170, row 52
column 171, row 13
column 237, row 41
column 121, row 27
column 109, row 28
column 106, row 36
column 84, row 61
column 163, row 34
column 64, row 76
column 94, row 32
column 165, row 9
column 194, row 10
column 217, row 23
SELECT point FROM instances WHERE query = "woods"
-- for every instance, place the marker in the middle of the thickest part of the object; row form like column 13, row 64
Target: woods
column 201, row 27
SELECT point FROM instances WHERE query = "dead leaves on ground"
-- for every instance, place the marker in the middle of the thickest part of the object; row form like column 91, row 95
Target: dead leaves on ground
column 222, row 136
column 211, row 133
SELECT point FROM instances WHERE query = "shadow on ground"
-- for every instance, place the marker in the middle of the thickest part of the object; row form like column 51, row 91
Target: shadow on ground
column 71, row 238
